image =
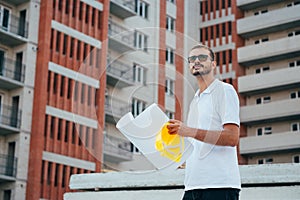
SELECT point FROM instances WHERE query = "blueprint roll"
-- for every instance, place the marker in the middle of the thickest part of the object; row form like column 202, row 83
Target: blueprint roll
column 147, row 132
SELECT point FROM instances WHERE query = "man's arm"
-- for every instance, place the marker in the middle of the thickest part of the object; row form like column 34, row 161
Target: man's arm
column 229, row 136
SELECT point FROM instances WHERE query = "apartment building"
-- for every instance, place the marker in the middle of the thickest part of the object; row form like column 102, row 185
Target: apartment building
column 68, row 102
column 18, row 51
column 271, row 84
column 215, row 26
column 145, row 66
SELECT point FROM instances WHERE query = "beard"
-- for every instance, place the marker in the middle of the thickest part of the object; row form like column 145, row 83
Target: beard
column 206, row 70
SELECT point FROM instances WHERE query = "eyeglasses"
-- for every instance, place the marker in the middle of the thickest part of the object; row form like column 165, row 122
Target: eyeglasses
column 201, row 58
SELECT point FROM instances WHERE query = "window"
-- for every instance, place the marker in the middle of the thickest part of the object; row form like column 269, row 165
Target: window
column 57, row 41
column 65, row 44
column 262, row 69
column 295, row 94
column 170, row 24
column 133, row 148
column 263, row 100
column 170, row 114
column 139, row 74
column 0, row 107
column 170, row 55
column 141, row 8
column 169, row 87
column 74, row 8
column 260, row 12
column 172, row 1
column 295, row 63
column 265, row 161
column 296, row 159
column 4, row 18
column 261, row 40
column 264, row 131
column 294, row 33
column 137, row 107
column 72, row 48
column 2, row 62
column 294, row 3
column 201, row 5
column 140, row 41
column 295, row 127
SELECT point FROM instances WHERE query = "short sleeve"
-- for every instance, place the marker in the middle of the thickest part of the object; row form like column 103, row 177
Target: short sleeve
column 230, row 109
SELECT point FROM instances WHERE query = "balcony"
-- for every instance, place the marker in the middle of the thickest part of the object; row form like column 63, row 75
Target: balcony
column 120, row 38
column 10, row 120
column 11, row 74
column 115, row 109
column 270, row 51
column 252, row 4
column 8, row 168
column 16, row 2
column 116, row 149
column 273, row 21
column 270, row 112
column 14, row 32
column 270, row 81
column 119, row 74
column 122, row 8
column 270, row 143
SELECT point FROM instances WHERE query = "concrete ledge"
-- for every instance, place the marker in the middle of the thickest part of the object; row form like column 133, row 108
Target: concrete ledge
column 270, row 181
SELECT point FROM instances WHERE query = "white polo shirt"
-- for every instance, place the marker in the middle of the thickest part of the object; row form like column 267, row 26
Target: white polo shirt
column 213, row 166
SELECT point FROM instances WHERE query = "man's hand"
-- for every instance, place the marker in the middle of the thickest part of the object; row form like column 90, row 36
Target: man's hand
column 178, row 127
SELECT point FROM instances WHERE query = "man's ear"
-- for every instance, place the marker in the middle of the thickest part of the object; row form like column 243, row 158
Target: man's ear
column 214, row 64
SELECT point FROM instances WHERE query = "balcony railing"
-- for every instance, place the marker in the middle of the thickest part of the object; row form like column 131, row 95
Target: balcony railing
column 122, row 8
column 115, row 109
column 253, row 4
column 267, row 143
column 14, row 31
column 119, row 74
column 283, row 48
column 280, row 19
column 269, row 81
column 13, row 70
column 269, row 112
column 16, row 2
column 8, row 165
column 117, row 149
column 121, row 39
column 10, row 116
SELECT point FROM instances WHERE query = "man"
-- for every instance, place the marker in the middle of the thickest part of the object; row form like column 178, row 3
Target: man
column 213, row 126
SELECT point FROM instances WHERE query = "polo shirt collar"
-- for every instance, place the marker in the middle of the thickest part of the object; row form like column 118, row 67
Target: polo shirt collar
column 209, row 89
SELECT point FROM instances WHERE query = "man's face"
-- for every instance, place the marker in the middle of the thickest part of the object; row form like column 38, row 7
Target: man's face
column 200, row 62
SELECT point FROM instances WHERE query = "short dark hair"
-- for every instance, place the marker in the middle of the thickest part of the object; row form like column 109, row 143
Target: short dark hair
column 201, row 46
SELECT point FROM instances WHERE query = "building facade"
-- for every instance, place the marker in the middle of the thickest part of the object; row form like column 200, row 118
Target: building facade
column 68, row 104
column 145, row 66
column 271, row 84
column 18, row 51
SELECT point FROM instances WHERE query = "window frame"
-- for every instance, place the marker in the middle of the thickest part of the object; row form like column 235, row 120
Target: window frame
column 170, row 86
column 170, row 58
column 265, row 130
column 298, row 126
column 139, row 74
column 142, row 9
column 140, row 41
column 137, row 106
column 170, row 24
column 2, row 7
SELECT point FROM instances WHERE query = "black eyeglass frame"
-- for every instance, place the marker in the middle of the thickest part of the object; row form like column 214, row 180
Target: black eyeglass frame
column 201, row 58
